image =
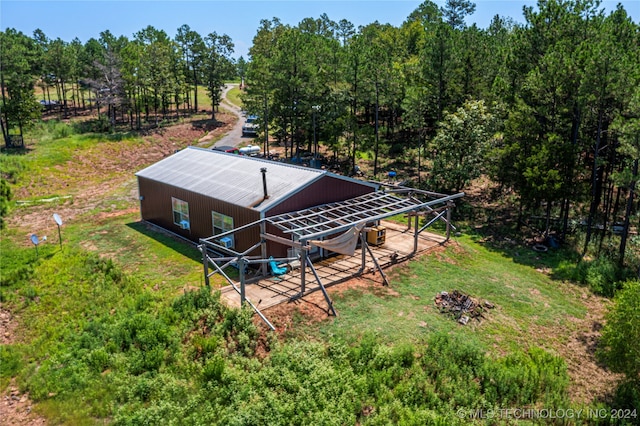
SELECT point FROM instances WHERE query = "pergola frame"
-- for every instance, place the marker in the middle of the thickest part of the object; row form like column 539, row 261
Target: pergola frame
column 322, row 221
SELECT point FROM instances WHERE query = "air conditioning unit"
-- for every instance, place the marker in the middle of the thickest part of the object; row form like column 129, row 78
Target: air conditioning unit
column 226, row 242
column 184, row 224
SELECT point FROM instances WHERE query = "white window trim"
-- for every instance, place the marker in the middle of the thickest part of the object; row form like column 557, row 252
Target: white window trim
column 183, row 216
column 219, row 230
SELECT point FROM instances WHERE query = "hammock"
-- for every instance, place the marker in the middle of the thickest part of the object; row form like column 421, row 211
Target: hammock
column 343, row 243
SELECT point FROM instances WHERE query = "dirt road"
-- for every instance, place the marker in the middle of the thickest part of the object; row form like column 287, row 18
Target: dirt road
column 233, row 137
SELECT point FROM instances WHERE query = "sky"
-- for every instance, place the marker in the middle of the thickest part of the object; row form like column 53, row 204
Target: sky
column 239, row 19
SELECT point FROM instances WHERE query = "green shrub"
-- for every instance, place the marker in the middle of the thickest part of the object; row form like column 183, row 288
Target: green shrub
column 192, row 304
column 5, row 199
column 17, row 265
column 602, row 276
column 445, row 354
column 99, row 360
column 520, row 379
column 240, row 330
column 12, row 167
column 29, row 293
column 620, row 344
column 214, row 369
column 10, row 361
column 361, row 355
column 204, row 347
column 627, row 396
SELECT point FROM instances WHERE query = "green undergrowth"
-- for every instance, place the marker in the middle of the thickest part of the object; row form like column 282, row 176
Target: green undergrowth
column 96, row 344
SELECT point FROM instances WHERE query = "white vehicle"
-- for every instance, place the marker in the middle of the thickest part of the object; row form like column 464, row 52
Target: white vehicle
column 250, row 127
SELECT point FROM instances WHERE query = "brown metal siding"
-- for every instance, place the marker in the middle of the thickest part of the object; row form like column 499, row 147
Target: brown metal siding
column 156, row 208
column 326, row 190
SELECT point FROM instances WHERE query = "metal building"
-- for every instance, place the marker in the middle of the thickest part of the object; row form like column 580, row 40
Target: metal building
column 198, row 193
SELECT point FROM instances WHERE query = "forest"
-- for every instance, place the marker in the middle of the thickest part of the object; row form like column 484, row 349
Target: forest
column 547, row 110
column 539, row 123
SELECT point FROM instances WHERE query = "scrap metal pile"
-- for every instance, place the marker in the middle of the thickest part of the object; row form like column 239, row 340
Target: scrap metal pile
column 461, row 306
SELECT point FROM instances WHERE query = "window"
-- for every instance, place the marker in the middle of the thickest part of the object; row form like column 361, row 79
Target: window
column 180, row 213
column 223, row 223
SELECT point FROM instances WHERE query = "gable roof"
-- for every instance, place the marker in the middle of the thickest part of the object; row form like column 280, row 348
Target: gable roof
column 236, row 179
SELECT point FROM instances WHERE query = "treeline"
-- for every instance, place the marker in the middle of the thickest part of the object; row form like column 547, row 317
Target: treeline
column 549, row 109
column 141, row 80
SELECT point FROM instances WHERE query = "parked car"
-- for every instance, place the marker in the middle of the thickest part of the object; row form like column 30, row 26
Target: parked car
column 47, row 105
column 226, row 148
column 250, row 126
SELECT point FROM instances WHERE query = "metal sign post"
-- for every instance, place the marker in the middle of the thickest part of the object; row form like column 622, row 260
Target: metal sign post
column 35, row 241
column 58, row 220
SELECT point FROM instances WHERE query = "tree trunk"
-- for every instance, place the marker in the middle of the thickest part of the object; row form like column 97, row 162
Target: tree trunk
column 195, row 90
column 596, row 186
column 4, row 122
column 376, row 148
column 627, row 215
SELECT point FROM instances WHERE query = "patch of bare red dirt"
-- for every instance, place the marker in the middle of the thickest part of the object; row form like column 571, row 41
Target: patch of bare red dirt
column 86, row 181
column 16, row 409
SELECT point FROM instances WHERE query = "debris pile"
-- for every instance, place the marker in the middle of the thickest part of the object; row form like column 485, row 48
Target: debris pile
column 461, row 306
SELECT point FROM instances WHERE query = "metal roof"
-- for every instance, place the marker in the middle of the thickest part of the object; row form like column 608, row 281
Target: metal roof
column 235, row 179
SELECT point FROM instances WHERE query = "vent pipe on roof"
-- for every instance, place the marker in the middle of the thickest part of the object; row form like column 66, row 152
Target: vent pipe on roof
column 264, row 182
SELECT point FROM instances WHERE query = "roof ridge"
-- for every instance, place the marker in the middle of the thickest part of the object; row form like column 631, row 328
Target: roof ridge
column 263, row 160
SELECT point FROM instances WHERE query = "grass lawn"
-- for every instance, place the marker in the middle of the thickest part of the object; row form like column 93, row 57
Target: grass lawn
column 527, row 302
column 233, row 95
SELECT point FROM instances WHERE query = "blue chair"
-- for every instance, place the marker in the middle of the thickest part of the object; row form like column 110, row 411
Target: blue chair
column 275, row 269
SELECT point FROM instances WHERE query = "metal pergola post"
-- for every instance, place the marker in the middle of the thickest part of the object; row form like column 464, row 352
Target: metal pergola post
column 363, row 241
column 263, row 248
column 449, row 207
column 205, row 264
column 324, row 290
column 375, row 262
column 242, row 264
column 239, row 291
column 416, row 232
column 303, row 266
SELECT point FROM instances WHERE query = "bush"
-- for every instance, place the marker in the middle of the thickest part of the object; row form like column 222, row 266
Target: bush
column 521, row 379
column 602, row 276
column 10, row 361
column 620, row 345
column 213, row 369
column 5, row 199
column 192, row 304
